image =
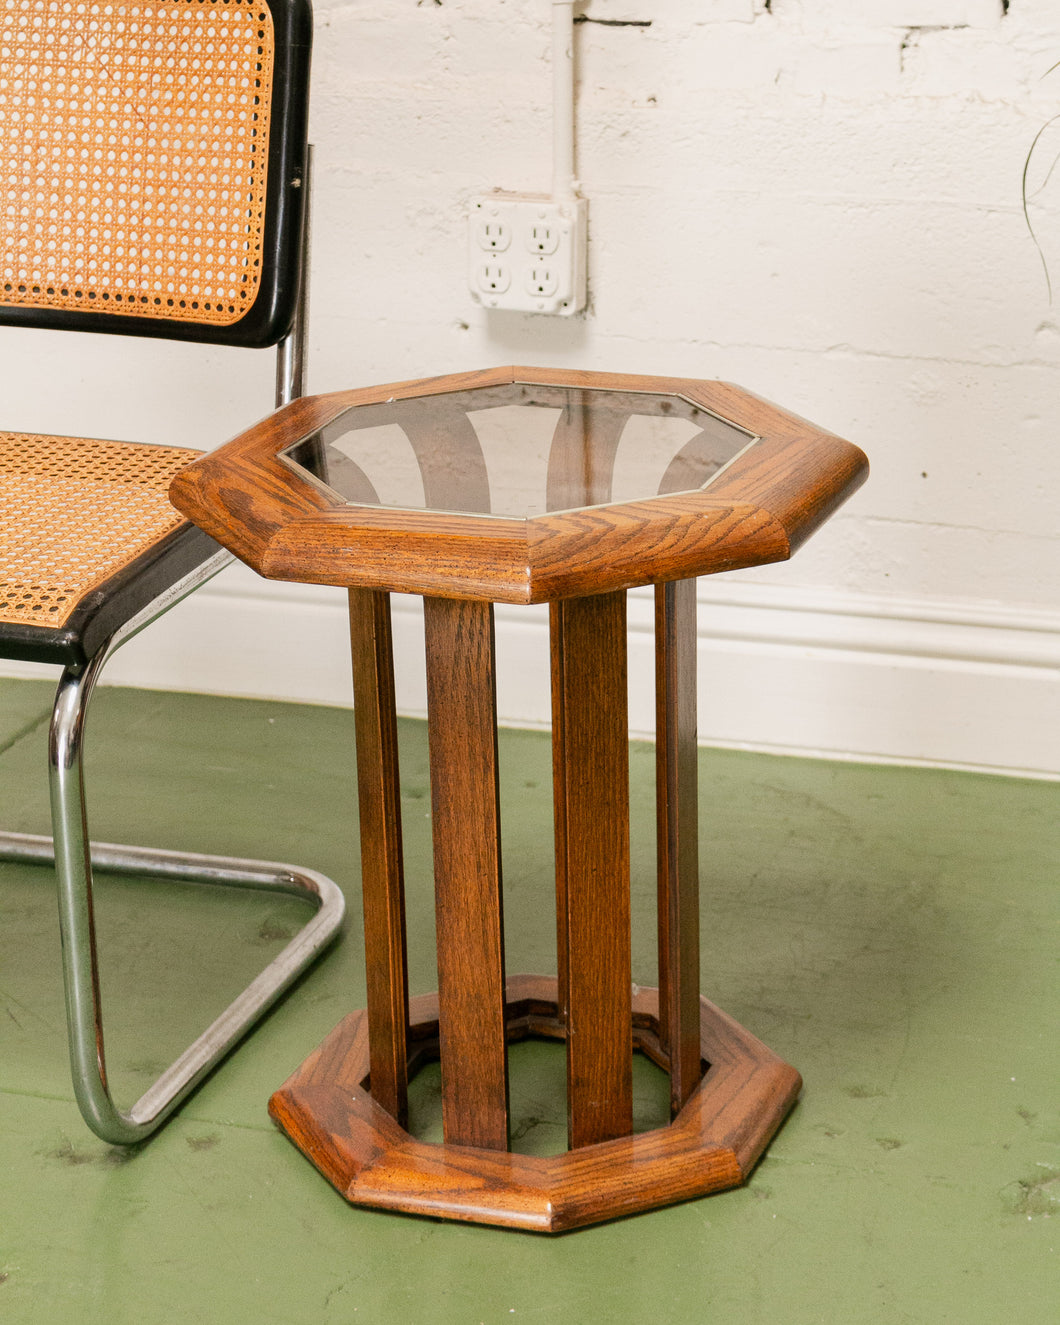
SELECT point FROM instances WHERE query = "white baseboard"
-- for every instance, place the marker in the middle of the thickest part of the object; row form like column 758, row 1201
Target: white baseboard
column 780, row 669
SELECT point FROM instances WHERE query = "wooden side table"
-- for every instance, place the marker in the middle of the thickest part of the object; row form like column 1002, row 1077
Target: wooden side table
column 527, row 486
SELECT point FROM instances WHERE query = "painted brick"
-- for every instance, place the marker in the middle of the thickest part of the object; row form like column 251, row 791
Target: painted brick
column 847, row 68
column 729, row 11
column 925, row 13
column 854, row 14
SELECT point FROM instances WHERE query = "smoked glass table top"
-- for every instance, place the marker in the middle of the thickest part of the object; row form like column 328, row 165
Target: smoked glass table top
column 517, row 450
column 519, row 485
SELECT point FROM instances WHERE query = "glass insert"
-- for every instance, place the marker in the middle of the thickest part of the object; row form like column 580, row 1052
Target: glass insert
column 518, row 450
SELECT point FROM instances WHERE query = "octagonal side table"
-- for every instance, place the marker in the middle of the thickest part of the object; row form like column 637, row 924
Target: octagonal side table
column 527, row 486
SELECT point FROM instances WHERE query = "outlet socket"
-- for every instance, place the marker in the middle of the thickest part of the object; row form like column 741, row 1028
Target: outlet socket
column 493, row 278
column 492, row 234
column 542, row 237
column 543, row 242
column 543, row 280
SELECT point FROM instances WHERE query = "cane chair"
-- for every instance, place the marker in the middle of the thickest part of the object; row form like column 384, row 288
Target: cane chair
column 153, row 166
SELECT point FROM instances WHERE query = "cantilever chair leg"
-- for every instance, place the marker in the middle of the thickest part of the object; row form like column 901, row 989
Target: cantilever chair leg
column 74, row 857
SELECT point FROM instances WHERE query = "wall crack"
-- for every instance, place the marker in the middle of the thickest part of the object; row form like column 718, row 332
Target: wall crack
column 614, row 22
column 911, row 40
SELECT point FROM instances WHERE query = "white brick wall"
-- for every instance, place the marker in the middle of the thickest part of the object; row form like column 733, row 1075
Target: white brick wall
column 819, row 199
column 913, row 13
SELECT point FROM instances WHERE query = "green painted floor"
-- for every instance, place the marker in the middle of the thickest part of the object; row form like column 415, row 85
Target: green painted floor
column 892, row 932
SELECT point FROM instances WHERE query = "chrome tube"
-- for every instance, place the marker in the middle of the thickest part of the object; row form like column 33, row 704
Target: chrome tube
column 74, row 857
column 292, row 351
column 74, row 866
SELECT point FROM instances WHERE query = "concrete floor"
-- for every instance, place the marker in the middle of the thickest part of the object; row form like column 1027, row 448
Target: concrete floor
column 891, row 932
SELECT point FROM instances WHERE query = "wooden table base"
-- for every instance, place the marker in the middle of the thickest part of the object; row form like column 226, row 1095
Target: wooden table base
column 327, row 1110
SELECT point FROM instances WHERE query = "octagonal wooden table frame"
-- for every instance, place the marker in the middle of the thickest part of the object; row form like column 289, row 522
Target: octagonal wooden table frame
column 346, row 1107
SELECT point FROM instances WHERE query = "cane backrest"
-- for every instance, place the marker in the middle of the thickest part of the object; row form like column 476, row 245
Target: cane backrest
column 151, row 165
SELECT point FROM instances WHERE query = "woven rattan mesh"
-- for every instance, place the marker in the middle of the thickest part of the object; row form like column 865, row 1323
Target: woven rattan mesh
column 73, row 512
column 133, row 155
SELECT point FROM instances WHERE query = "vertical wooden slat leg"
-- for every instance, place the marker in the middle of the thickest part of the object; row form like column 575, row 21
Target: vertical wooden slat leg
column 379, row 794
column 462, row 728
column 590, row 758
column 559, row 808
column 677, row 834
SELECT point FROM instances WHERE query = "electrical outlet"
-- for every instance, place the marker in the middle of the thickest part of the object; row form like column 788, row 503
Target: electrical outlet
column 543, row 280
column 493, row 277
column 542, row 240
column 542, row 237
column 492, row 234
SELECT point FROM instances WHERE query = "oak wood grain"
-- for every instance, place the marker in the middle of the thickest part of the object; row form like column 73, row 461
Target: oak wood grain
column 382, row 878
column 677, row 833
column 436, row 554
column 711, row 1145
column 462, row 734
column 524, row 561
column 604, row 548
column 799, row 473
column 591, row 792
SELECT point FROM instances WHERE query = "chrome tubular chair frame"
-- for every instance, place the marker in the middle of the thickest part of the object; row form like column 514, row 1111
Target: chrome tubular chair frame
column 74, row 857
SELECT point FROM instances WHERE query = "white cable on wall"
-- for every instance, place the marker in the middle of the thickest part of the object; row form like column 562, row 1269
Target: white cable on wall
column 564, row 185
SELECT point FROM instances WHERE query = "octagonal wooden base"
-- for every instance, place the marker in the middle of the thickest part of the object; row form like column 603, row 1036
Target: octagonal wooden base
column 328, row 1112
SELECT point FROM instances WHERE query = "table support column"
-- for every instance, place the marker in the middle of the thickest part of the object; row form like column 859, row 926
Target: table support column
column 379, row 795
column 590, row 758
column 677, row 836
column 462, row 728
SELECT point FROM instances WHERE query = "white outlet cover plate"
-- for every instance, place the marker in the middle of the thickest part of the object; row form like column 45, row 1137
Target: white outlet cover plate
column 526, row 252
